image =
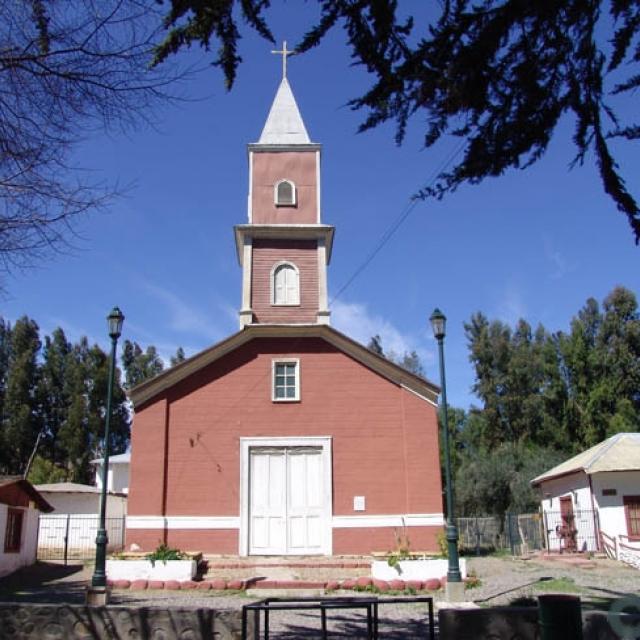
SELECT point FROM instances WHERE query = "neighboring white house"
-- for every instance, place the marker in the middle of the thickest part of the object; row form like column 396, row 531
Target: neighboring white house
column 81, row 499
column 117, row 473
column 74, row 521
column 20, row 504
column 592, row 501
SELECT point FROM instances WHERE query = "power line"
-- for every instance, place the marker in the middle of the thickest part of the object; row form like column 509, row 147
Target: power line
column 397, row 223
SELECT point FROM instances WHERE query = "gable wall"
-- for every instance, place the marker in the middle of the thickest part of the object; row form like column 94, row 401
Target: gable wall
column 302, row 253
column 269, row 168
column 385, row 441
column 611, row 508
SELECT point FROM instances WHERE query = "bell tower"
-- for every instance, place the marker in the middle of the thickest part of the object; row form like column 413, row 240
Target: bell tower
column 284, row 249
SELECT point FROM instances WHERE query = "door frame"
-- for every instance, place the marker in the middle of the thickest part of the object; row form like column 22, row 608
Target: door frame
column 322, row 442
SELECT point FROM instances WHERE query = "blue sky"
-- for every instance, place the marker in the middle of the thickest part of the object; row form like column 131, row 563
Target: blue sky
column 533, row 244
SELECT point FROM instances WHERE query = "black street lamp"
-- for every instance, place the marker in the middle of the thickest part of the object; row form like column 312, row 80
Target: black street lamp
column 438, row 323
column 99, row 579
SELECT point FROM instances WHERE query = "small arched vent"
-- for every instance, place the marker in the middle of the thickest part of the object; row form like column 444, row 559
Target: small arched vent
column 285, row 195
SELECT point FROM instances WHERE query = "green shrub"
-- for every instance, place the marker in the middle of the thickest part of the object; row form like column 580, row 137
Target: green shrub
column 163, row 553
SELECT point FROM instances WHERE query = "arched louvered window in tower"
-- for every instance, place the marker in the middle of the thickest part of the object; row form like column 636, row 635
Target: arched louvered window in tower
column 285, row 284
column 285, row 193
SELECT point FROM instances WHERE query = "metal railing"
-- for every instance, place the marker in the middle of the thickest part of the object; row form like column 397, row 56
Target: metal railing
column 370, row 604
column 525, row 532
column 73, row 536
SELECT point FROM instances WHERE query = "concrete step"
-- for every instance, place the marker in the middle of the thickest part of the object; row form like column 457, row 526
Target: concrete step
column 304, row 569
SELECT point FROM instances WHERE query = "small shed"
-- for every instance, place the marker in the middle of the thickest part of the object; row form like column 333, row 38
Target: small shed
column 72, row 527
column 117, row 473
column 82, row 499
column 592, row 501
column 20, row 504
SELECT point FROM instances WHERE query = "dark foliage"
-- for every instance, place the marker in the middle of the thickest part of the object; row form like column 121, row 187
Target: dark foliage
column 499, row 74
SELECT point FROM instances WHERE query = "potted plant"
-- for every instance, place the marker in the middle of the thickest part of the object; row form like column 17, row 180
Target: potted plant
column 163, row 563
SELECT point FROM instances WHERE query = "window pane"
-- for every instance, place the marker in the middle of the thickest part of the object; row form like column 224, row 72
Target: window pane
column 285, row 193
column 285, row 383
column 285, row 285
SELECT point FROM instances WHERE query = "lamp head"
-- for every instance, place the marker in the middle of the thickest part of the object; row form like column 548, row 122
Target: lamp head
column 438, row 323
column 114, row 321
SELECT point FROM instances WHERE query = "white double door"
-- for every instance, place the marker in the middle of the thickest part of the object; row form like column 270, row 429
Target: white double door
column 286, row 501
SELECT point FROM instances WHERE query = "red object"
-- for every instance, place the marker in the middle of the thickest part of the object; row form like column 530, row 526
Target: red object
column 381, row 585
column 139, row 584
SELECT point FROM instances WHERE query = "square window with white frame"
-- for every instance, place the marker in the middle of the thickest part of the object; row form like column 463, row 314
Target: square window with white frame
column 286, row 380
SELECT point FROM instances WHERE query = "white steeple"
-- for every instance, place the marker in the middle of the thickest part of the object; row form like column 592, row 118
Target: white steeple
column 284, row 123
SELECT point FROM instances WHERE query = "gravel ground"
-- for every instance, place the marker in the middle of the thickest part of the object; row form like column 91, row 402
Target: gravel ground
column 502, row 580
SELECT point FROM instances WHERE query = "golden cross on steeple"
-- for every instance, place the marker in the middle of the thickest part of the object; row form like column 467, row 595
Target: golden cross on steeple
column 284, row 53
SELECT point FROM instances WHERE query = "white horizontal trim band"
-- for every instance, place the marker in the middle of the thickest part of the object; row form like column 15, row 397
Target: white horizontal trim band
column 183, row 522
column 337, row 522
column 406, row 520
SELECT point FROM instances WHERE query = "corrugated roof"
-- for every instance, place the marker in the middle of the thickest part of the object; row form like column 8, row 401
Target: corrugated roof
column 67, row 487
column 121, row 458
column 284, row 123
column 618, row 453
column 26, row 487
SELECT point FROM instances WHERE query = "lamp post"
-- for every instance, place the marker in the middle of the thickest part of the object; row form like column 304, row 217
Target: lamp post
column 438, row 323
column 99, row 579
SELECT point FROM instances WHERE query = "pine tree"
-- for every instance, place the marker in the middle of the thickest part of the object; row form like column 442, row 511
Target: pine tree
column 140, row 365
column 21, row 422
column 53, row 394
column 81, row 436
column 5, row 352
column 178, row 357
column 73, row 435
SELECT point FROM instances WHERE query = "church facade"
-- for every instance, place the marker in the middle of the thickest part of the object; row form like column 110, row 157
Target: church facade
column 288, row 437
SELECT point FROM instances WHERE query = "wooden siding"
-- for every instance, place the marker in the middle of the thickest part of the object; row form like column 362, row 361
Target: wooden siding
column 301, row 253
column 268, row 169
column 148, row 460
column 384, row 447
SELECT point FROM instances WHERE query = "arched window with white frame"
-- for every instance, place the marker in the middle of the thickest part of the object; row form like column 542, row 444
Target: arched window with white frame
column 285, row 284
column 285, row 193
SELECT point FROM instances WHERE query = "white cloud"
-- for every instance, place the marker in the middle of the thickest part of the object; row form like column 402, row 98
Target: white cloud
column 354, row 320
column 512, row 307
column 183, row 316
column 559, row 265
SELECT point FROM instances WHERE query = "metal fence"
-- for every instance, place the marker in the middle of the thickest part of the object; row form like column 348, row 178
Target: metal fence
column 73, row 536
column 573, row 532
column 525, row 532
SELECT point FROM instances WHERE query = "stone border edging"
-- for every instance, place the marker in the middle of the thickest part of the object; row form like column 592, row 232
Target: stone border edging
column 219, row 584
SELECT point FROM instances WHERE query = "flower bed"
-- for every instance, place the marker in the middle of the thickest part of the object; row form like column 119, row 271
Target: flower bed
column 146, row 570
column 414, row 569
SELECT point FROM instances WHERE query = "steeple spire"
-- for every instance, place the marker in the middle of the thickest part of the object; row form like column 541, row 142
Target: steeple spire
column 284, row 123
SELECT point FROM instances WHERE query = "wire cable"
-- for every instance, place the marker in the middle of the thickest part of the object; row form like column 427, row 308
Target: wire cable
column 397, row 223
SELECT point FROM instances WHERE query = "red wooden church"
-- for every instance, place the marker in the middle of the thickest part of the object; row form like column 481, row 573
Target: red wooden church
column 288, row 437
